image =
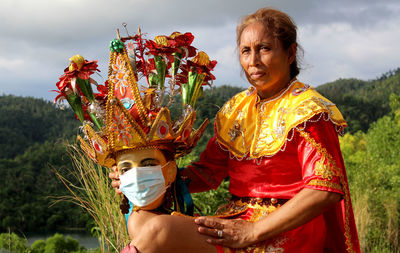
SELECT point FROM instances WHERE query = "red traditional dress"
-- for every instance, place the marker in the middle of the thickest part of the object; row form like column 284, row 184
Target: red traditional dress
column 272, row 149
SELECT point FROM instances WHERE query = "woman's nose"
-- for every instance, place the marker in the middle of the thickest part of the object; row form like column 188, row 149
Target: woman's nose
column 254, row 59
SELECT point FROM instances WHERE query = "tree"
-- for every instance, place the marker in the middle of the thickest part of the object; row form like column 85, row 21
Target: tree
column 12, row 243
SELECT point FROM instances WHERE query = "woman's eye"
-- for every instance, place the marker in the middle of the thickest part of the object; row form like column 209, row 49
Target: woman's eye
column 148, row 164
column 245, row 51
column 125, row 169
column 265, row 48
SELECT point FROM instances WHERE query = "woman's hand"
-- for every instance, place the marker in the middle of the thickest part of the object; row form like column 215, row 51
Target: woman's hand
column 115, row 179
column 235, row 233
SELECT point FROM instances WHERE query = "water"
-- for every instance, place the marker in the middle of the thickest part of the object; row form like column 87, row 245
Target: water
column 84, row 240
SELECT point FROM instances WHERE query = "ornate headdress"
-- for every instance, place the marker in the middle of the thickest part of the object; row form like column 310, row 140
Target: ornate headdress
column 124, row 115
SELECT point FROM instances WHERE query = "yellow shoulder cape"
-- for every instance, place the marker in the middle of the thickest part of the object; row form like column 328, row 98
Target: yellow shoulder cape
column 248, row 126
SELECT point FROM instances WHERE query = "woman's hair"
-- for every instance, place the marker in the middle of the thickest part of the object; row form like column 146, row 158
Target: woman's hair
column 169, row 155
column 279, row 25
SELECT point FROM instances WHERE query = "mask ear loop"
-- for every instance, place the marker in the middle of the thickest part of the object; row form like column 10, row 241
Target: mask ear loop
column 184, row 198
column 169, row 166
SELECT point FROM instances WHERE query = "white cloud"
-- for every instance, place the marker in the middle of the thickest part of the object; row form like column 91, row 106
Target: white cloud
column 341, row 38
column 339, row 50
column 11, row 64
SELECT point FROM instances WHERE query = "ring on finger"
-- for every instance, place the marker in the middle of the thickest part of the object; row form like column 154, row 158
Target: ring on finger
column 220, row 233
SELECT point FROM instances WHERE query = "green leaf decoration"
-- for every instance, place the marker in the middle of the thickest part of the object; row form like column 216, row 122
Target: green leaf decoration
column 116, row 45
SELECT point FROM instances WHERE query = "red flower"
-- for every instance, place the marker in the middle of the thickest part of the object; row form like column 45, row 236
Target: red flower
column 103, row 92
column 87, row 69
column 59, row 96
column 184, row 41
column 84, row 72
column 192, row 66
column 155, row 49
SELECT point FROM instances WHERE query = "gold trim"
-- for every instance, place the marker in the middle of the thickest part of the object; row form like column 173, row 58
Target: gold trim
column 345, row 187
column 162, row 114
column 328, row 184
column 265, row 125
column 136, row 130
column 325, row 170
column 134, row 87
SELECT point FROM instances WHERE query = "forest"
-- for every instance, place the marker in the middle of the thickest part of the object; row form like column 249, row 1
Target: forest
column 34, row 133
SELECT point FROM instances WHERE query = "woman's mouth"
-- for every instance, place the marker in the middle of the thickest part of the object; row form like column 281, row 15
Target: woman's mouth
column 257, row 75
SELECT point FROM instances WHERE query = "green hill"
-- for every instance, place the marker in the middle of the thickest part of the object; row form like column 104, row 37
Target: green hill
column 32, row 129
column 362, row 102
column 31, row 133
column 25, row 121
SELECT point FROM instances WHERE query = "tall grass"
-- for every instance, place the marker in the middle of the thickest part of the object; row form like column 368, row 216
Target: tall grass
column 362, row 217
column 374, row 177
column 378, row 231
column 92, row 191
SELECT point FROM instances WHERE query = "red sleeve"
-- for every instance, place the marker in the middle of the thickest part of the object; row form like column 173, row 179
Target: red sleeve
column 320, row 156
column 212, row 166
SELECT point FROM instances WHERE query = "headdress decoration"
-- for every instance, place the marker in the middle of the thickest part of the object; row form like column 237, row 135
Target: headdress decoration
column 124, row 115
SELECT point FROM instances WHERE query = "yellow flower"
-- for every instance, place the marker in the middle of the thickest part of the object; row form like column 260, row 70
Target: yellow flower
column 201, row 58
column 78, row 60
column 175, row 34
column 161, row 40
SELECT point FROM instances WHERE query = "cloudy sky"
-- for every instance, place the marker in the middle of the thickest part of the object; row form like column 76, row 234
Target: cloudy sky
column 341, row 39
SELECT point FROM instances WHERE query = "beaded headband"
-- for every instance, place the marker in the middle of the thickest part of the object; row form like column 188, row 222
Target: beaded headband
column 124, row 115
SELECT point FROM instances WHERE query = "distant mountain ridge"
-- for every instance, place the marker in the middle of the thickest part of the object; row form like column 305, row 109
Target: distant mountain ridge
column 362, row 102
column 30, row 129
column 25, row 121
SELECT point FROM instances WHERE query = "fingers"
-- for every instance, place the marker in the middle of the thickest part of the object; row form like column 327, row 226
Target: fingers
column 115, row 183
column 217, row 241
column 210, row 222
column 230, row 233
column 212, row 227
column 217, row 236
column 210, row 231
column 114, row 173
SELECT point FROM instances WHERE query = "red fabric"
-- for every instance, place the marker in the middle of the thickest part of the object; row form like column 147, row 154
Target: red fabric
column 304, row 239
column 129, row 249
column 285, row 174
column 287, row 171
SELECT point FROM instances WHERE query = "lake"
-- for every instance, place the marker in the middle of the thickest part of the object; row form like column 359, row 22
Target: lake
column 84, row 240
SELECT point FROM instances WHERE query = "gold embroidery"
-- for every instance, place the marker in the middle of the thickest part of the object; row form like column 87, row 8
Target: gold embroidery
column 345, row 188
column 271, row 121
column 325, row 170
column 235, row 131
column 259, row 211
column 322, row 151
column 328, row 184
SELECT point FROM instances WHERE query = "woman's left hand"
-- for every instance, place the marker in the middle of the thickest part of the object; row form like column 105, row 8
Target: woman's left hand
column 235, row 233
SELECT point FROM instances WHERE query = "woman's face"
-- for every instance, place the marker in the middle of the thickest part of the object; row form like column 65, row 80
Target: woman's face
column 134, row 159
column 139, row 158
column 144, row 158
column 264, row 60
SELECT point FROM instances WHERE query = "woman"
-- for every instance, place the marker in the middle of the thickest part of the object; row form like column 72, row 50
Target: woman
column 277, row 141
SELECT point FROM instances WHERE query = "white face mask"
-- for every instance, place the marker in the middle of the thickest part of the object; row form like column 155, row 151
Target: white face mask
column 143, row 185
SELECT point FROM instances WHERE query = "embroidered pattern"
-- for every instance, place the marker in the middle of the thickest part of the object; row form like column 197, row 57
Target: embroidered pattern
column 276, row 245
column 324, row 169
column 121, row 127
column 235, row 131
column 345, row 187
column 327, row 184
column 322, row 151
column 120, row 75
column 228, row 107
column 272, row 119
column 259, row 211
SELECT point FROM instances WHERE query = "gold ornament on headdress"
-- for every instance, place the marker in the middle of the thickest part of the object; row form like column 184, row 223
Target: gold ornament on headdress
column 134, row 118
